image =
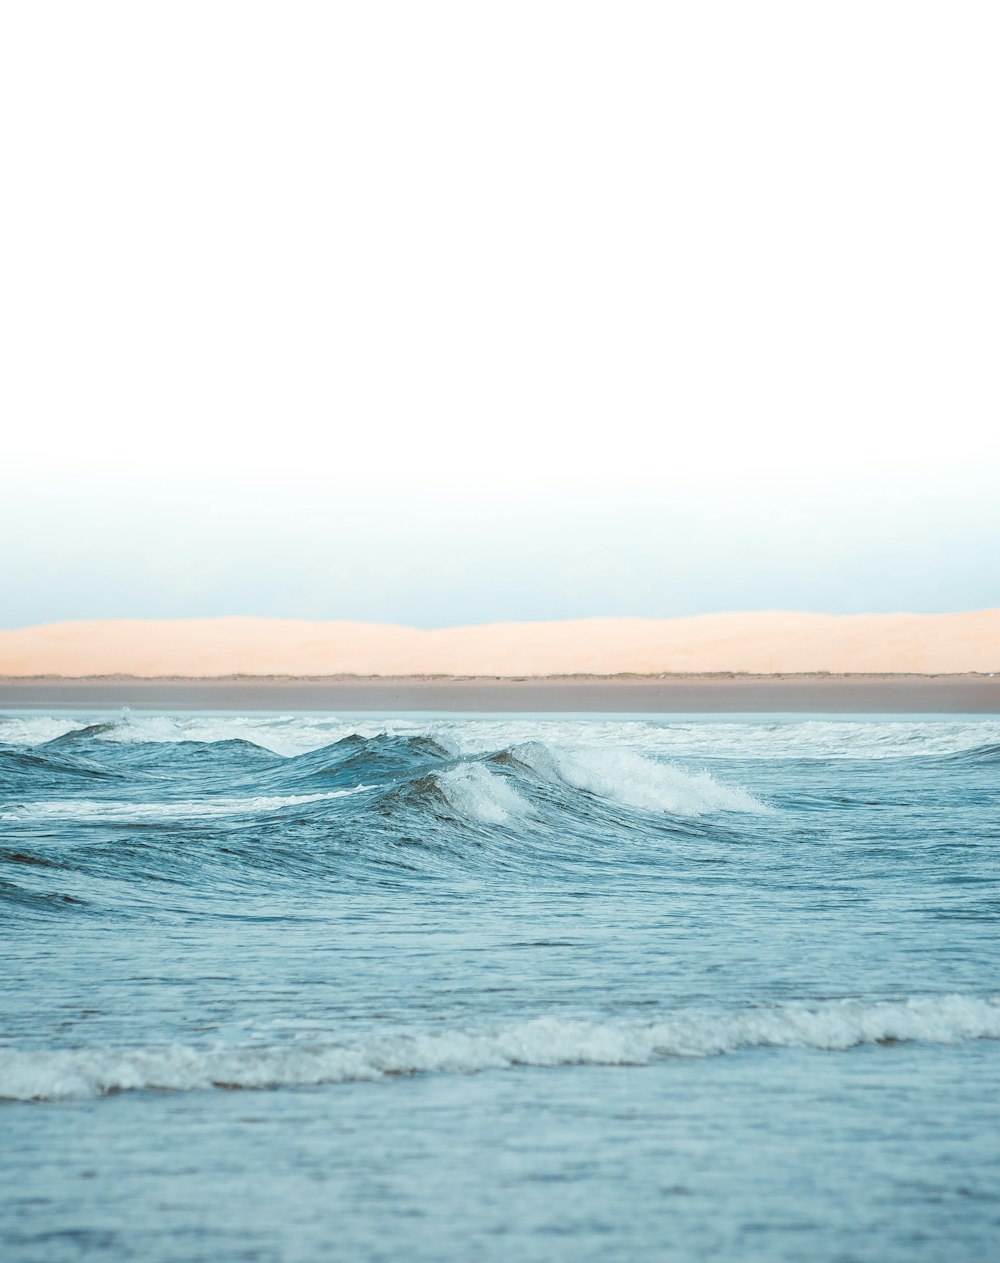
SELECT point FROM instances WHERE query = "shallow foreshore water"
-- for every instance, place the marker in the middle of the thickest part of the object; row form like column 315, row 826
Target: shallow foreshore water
column 692, row 694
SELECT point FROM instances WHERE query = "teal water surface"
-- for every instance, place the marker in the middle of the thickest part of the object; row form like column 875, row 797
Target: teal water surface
column 295, row 987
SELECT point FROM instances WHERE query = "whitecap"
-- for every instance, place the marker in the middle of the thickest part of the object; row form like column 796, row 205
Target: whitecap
column 476, row 793
column 635, row 780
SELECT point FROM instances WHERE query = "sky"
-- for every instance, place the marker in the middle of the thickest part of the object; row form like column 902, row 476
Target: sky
column 450, row 313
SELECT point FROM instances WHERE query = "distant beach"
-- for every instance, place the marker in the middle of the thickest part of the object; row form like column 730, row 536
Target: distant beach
column 735, row 663
column 756, row 643
column 690, row 694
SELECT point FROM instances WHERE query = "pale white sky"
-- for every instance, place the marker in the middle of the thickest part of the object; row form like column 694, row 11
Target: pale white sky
column 444, row 313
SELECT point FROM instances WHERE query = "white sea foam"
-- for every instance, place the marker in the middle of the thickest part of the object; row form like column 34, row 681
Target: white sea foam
column 82, row 809
column 476, row 793
column 33, row 730
column 632, row 779
column 706, row 737
column 50, row 1074
column 286, row 735
column 712, row 738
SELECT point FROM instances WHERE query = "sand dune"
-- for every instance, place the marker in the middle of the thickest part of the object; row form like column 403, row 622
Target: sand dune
column 760, row 642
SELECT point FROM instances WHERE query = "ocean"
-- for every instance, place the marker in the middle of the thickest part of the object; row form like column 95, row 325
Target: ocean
column 286, row 987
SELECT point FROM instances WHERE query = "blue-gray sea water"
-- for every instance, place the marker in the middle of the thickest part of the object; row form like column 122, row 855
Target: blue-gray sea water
column 300, row 988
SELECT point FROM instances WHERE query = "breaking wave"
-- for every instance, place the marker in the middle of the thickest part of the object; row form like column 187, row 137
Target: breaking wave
column 636, row 781
column 835, row 1026
column 476, row 793
column 92, row 775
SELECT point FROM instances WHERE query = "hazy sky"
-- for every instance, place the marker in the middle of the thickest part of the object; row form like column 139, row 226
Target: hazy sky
column 442, row 313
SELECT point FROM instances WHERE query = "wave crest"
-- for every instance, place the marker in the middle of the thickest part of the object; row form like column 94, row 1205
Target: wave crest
column 477, row 794
column 635, row 781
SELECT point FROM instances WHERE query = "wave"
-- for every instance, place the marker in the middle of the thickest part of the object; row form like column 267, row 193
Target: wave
column 385, row 755
column 978, row 754
column 505, row 788
column 22, row 767
column 86, row 734
column 478, row 794
column 635, row 781
column 528, row 781
column 15, row 896
column 835, row 1026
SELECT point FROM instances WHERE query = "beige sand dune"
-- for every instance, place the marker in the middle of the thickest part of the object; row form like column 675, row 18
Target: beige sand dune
column 761, row 642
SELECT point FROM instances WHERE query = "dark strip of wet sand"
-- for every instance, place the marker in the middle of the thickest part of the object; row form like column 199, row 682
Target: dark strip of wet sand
column 709, row 694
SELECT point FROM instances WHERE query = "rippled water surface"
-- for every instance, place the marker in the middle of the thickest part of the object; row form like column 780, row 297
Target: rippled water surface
column 284, row 987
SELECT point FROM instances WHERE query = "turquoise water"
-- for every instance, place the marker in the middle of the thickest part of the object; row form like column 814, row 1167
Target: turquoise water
column 293, row 987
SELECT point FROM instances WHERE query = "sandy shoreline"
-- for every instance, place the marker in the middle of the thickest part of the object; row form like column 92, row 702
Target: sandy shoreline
column 680, row 694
